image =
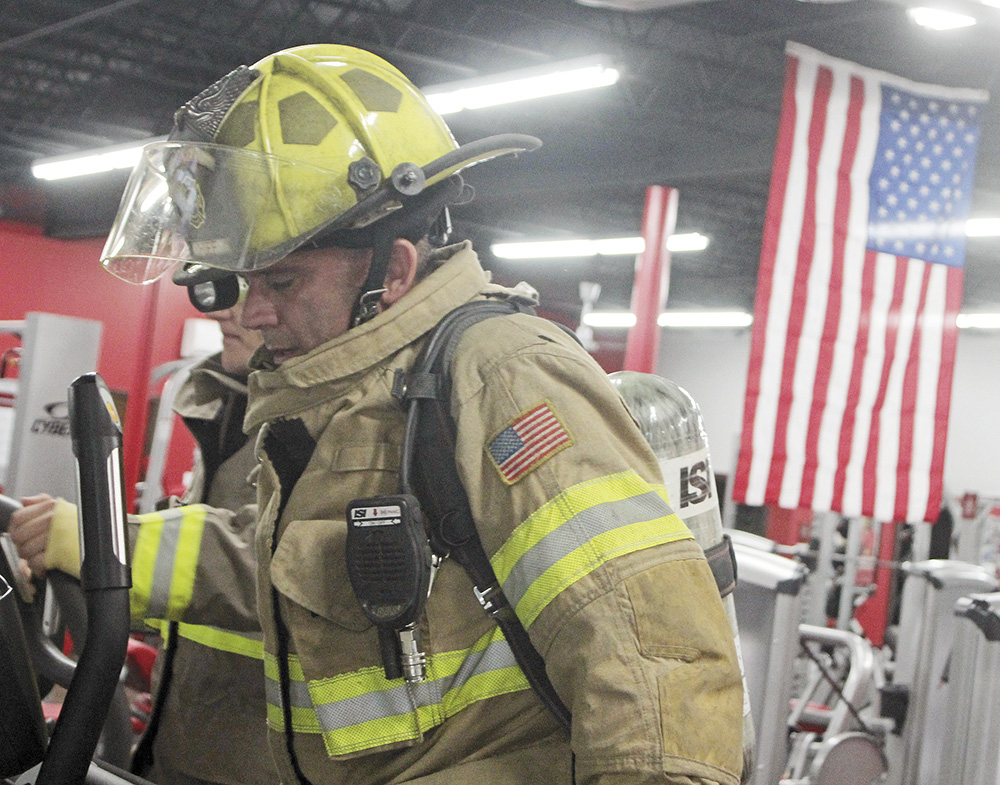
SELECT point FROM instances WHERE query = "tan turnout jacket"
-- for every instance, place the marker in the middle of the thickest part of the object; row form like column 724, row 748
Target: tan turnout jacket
column 209, row 701
column 614, row 592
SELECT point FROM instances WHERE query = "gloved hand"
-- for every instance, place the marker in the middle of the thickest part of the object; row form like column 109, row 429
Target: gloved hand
column 47, row 534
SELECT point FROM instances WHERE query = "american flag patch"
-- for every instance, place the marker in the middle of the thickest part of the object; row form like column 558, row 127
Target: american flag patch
column 531, row 438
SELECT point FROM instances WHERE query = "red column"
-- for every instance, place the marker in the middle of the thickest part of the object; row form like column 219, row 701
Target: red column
column 873, row 615
column 652, row 279
column 137, row 408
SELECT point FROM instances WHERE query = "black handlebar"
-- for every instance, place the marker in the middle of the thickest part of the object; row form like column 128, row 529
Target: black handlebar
column 105, row 576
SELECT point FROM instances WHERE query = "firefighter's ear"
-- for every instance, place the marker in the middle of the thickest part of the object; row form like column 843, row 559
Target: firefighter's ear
column 401, row 273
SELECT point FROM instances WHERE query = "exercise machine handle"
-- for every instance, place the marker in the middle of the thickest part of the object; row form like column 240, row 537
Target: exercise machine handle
column 105, row 576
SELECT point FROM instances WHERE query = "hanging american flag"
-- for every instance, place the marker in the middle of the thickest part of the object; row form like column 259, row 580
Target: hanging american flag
column 860, row 283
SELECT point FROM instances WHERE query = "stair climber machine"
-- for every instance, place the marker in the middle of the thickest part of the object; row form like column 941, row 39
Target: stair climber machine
column 29, row 753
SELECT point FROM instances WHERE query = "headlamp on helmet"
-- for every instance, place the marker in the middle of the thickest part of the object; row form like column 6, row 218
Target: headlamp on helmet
column 209, row 289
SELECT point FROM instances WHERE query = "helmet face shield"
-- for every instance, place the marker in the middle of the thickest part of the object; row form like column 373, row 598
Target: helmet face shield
column 223, row 207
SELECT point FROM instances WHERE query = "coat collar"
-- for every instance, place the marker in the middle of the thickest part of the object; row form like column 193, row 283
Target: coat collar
column 207, row 386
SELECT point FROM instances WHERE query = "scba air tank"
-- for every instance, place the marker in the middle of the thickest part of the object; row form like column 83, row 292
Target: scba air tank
column 671, row 422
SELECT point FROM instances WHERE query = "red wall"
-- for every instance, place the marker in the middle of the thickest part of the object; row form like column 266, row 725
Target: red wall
column 38, row 273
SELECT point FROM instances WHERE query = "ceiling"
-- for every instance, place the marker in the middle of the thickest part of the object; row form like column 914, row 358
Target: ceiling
column 697, row 108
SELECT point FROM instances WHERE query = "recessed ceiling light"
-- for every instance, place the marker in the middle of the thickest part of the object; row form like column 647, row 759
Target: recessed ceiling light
column 937, row 19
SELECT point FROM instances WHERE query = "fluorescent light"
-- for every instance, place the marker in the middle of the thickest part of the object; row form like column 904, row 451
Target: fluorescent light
column 936, row 19
column 704, row 319
column 620, row 319
column 981, row 321
column 566, row 77
column 609, row 319
column 550, row 249
column 692, row 241
column 104, row 159
column 982, row 227
column 613, row 246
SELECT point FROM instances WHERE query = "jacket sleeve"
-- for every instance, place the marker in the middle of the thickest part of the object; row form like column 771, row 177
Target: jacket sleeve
column 615, row 594
column 195, row 564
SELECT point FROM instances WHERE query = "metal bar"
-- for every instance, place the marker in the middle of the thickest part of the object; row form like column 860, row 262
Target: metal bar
column 73, row 21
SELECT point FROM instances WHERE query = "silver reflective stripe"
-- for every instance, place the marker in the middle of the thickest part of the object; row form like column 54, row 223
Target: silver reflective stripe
column 377, row 705
column 163, row 570
column 397, row 701
column 382, row 704
column 575, row 532
column 298, row 692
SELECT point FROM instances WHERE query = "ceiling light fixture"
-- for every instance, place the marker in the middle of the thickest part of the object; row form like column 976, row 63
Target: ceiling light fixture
column 982, row 227
column 704, row 319
column 612, row 246
column 568, row 76
column 980, row 321
column 103, row 159
column 623, row 319
column 937, row 19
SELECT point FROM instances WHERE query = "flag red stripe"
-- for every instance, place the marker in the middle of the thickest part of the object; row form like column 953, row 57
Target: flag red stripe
column 841, row 216
column 765, row 282
column 800, row 288
column 849, row 418
column 908, row 406
column 949, row 340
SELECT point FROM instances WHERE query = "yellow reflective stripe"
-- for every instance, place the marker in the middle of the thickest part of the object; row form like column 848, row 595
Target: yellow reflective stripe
column 247, row 644
column 165, row 560
column 361, row 710
column 578, row 531
column 304, row 719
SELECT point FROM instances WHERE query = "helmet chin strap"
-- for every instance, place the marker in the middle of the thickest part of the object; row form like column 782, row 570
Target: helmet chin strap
column 422, row 215
column 366, row 307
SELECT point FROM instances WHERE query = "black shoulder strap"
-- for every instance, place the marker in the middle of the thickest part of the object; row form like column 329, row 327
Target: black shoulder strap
column 428, row 471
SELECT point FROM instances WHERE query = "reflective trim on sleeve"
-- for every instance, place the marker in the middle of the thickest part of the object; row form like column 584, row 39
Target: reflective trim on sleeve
column 165, row 560
column 577, row 532
column 361, row 710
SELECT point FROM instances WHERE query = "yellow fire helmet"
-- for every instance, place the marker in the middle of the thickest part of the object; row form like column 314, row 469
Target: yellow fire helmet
column 314, row 139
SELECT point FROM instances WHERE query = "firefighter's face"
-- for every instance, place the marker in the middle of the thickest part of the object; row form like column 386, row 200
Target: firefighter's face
column 305, row 300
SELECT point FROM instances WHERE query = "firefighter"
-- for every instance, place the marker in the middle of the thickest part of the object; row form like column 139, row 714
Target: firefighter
column 208, row 721
column 320, row 177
